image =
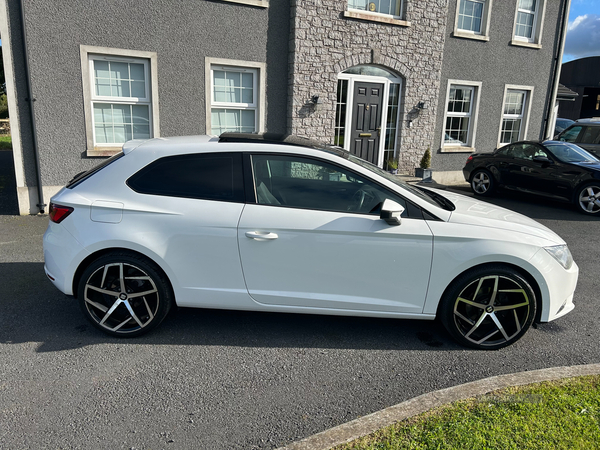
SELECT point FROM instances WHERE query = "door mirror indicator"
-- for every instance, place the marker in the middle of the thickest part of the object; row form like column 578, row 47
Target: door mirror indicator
column 391, row 212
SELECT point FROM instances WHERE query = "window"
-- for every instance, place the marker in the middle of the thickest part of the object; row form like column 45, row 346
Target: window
column 390, row 7
column 299, row 182
column 205, row 176
column 528, row 23
column 473, row 19
column 514, row 116
column 591, row 135
column 121, row 98
column 461, row 116
column 386, row 11
column 235, row 99
column 525, row 151
column 571, row 134
column 260, row 3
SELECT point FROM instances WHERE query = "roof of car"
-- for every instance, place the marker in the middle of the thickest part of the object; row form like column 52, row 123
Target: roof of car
column 190, row 143
column 590, row 120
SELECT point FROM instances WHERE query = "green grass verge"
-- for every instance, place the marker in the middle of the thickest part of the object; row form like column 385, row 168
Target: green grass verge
column 554, row 415
column 5, row 142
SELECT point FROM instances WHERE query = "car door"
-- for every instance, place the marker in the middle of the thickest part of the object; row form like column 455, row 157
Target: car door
column 314, row 239
column 589, row 139
column 546, row 176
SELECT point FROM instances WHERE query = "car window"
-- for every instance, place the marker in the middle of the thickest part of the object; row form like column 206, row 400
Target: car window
column 210, row 176
column 570, row 135
column 591, row 135
column 570, row 152
column 299, row 182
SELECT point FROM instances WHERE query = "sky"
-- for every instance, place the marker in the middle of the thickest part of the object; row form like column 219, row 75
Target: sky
column 583, row 34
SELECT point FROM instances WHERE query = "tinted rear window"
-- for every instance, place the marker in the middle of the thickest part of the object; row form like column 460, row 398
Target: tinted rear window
column 202, row 176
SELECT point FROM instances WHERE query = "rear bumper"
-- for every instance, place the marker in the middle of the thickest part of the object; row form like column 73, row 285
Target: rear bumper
column 62, row 255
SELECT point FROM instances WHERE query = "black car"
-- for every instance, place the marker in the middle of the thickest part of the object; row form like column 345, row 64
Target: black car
column 554, row 169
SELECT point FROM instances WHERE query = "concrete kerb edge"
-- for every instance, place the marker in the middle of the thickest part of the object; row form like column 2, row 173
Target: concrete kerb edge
column 368, row 424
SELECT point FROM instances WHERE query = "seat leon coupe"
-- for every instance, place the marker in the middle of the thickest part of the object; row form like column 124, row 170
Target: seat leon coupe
column 264, row 223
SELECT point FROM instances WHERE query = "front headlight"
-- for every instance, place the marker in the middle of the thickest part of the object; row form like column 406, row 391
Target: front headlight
column 562, row 254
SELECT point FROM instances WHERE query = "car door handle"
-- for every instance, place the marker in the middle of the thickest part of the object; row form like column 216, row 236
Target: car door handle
column 261, row 235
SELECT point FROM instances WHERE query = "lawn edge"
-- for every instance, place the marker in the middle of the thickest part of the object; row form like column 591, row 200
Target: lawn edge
column 368, row 424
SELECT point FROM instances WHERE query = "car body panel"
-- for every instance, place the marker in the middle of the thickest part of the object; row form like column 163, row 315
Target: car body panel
column 335, row 260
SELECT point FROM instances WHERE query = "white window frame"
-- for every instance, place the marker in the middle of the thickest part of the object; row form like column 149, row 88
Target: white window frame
column 524, row 116
column 387, row 81
column 391, row 19
column 259, row 83
column 474, row 117
column 483, row 35
column 259, row 3
column 88, row 55
column 538, row 26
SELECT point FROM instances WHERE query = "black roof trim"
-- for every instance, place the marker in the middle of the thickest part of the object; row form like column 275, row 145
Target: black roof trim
column 274, row 138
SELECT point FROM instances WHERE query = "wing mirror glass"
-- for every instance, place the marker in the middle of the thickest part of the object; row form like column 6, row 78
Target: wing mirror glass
column 391, row 212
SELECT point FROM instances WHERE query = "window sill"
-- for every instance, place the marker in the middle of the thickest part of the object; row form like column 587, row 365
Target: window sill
column 376, row 18
column 475, row 37
column 259, row 3
column 457, row 149
column 525, row 44
column 104, row 151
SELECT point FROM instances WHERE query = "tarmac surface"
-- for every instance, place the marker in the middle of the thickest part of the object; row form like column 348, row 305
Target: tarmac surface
column 238, row 380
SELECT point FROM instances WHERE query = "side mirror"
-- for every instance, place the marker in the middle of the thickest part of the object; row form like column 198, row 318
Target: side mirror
column 542, row 159
column 391, row 212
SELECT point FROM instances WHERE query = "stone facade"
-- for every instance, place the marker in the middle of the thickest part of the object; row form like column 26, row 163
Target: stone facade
column 324, row 42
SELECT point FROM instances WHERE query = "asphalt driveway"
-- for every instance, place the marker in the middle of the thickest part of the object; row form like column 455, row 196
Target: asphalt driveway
column 223, row 380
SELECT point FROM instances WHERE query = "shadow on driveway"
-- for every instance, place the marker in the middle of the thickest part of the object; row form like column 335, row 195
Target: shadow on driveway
column 35, row 311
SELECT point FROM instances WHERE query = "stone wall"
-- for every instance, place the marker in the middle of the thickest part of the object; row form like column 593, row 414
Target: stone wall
column 324, row 43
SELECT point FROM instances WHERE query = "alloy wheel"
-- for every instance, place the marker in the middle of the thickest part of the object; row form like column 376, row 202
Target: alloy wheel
column 121, row 298
column 492, row 311
column 589, row 199
column 481, row 183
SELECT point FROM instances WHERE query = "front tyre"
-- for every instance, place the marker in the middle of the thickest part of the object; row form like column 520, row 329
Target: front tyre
column 482, row 183
column 124, row 294
column 587, row 199
column 488, row 307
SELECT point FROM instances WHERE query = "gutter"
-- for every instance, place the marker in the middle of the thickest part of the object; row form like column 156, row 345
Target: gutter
column 41, row 205
column 557, row 68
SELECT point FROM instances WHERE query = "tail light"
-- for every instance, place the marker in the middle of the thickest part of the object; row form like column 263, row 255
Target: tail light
column 469, row 159
column 59, row 213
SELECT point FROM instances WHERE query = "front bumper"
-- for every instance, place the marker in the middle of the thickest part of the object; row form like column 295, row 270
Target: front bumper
column 558, row 284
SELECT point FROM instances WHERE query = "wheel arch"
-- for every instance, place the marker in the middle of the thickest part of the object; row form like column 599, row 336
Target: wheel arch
column 524, row 273
column 105, row 251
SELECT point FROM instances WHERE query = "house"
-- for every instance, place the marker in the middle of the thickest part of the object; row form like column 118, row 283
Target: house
column 386, row 79
column 581, row 77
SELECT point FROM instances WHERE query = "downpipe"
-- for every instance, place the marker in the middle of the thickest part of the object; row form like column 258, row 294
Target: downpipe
column 40, row 190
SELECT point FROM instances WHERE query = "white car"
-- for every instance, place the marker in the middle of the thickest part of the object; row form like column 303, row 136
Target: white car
column 251, row 222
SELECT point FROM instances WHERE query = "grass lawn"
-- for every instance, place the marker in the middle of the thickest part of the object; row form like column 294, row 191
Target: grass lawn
column 562, row 414
column 5, row 142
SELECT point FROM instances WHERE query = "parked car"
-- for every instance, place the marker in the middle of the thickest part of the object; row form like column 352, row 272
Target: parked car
column 585, row 133
column 561, row 124
column 257, row 223
column 553, row 169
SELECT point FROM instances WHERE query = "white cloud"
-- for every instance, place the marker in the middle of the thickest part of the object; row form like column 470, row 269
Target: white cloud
column 583, row 37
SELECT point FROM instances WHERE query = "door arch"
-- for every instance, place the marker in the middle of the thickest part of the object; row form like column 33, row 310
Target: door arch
column 367, row 113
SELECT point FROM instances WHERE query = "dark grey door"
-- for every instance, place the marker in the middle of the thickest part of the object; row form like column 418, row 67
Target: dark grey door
column 366, row 120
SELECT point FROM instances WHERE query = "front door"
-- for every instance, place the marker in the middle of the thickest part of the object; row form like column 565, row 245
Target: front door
column 366, row 120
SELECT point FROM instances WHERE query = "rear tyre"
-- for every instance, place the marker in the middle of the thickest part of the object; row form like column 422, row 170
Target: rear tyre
column 124, row 294
column 482, row 183
column 488, row 308
column 587, row 199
